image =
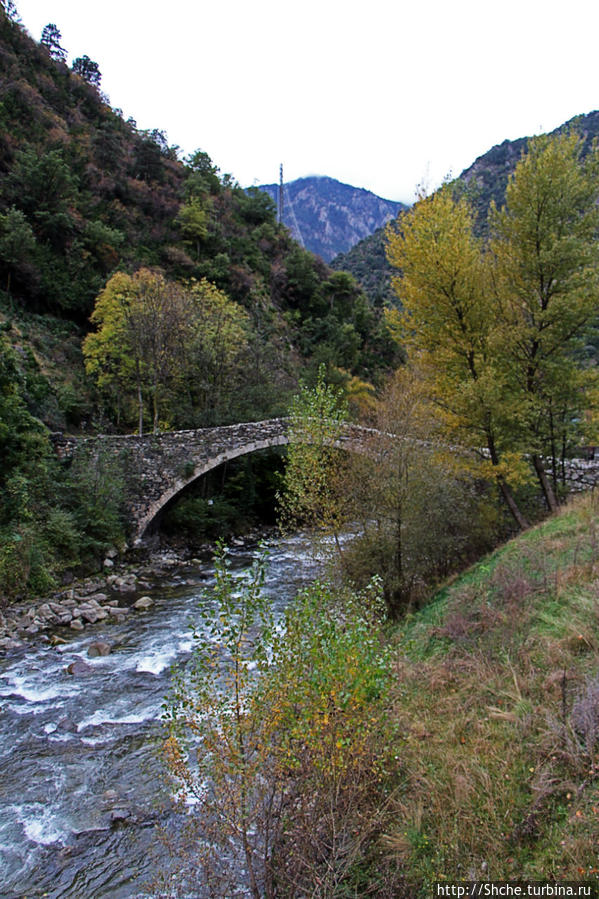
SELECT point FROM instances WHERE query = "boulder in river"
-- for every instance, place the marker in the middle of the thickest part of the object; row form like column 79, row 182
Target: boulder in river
column 98, row 648
column 116, row 611
column 78, row 667
column 143, row 604
column 119, row 815
column 76, row 624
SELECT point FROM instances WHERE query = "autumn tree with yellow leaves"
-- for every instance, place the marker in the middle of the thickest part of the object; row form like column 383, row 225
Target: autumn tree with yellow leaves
column 162, row 346
column 494, row 327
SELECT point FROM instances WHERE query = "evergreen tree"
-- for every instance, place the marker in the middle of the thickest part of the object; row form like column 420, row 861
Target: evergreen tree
column 87, row 69
column 50, row 39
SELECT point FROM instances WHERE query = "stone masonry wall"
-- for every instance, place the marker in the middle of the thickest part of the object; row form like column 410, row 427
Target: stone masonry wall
column 157, row 467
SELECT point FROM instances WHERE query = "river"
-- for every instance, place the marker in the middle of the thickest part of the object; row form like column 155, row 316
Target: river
column 82, row 788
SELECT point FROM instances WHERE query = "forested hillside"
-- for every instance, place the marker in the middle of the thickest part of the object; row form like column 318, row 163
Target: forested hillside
column 137, row 291
column 84, row 193
column 485, row 181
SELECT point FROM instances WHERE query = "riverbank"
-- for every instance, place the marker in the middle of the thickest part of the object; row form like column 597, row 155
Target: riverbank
column 111, row 595
column 80, row 734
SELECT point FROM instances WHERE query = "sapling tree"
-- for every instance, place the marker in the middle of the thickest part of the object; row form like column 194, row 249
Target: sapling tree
column 219, row 743
column 279, row 735
column 315, row 467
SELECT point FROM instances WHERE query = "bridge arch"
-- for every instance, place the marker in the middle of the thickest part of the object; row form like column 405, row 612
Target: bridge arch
column 202, row 468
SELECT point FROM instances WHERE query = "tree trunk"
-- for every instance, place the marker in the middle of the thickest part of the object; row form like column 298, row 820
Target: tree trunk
column 140, row 406
column 155, row 404
column 506, row 492
column 548, row 492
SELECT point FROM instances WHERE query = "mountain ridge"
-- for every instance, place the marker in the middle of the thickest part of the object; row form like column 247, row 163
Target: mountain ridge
column 328, row 216
column 486, row 179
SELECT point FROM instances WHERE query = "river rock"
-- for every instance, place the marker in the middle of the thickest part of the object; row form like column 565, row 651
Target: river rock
column 78, row 667
column 125, row 584
column 91, row 586
column 119, row 815
column 99, row 648
column 56, row 607
column 116, row 611
column 76, row 624
column 108, row 563
column 44, row 611
column 66, row 723
column 9, row 643
column 88, row 613
column 143, row 603
column 98, row 598
column 55, row 640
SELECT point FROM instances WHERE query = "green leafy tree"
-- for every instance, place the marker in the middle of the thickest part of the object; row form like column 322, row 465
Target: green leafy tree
column 43, row 187
column 420, row 515
column 217, row 748
column 143, row 323
column 26, row 486
column 17, row 243
column 217, row 351
column 178, row 350
column 280, row 735
column 315, row 466
column 545, row 265
column 203, row 175
column 192, row 219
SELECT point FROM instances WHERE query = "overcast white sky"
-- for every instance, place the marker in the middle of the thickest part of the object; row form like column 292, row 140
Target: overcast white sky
column 379, row 94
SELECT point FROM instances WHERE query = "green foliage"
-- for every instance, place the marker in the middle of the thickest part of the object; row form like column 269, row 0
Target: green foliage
column 87, row 69
column 49, row 520
column 545, row 277
column 229, row 500
column 310, row 494
column 279, row 733
column 95, row 493
column 50, row 39
column 178, row 350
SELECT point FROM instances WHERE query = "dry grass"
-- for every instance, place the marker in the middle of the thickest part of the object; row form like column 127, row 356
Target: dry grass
column 498, row 696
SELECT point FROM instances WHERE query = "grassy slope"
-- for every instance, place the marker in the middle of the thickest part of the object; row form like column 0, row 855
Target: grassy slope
column 498, row 692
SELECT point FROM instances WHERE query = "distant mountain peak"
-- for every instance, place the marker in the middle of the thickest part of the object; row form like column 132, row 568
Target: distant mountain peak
column 329, row 217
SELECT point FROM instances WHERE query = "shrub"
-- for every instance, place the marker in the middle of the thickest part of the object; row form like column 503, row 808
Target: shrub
column 280, row 735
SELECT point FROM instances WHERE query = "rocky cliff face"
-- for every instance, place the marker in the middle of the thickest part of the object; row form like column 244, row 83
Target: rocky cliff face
column 329, row 217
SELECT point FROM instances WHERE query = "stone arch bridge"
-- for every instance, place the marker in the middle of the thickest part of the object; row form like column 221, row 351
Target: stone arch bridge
column 157, row 467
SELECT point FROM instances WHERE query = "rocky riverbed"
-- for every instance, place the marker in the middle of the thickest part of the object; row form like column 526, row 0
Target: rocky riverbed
column 83, row 798
column 120, row 590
